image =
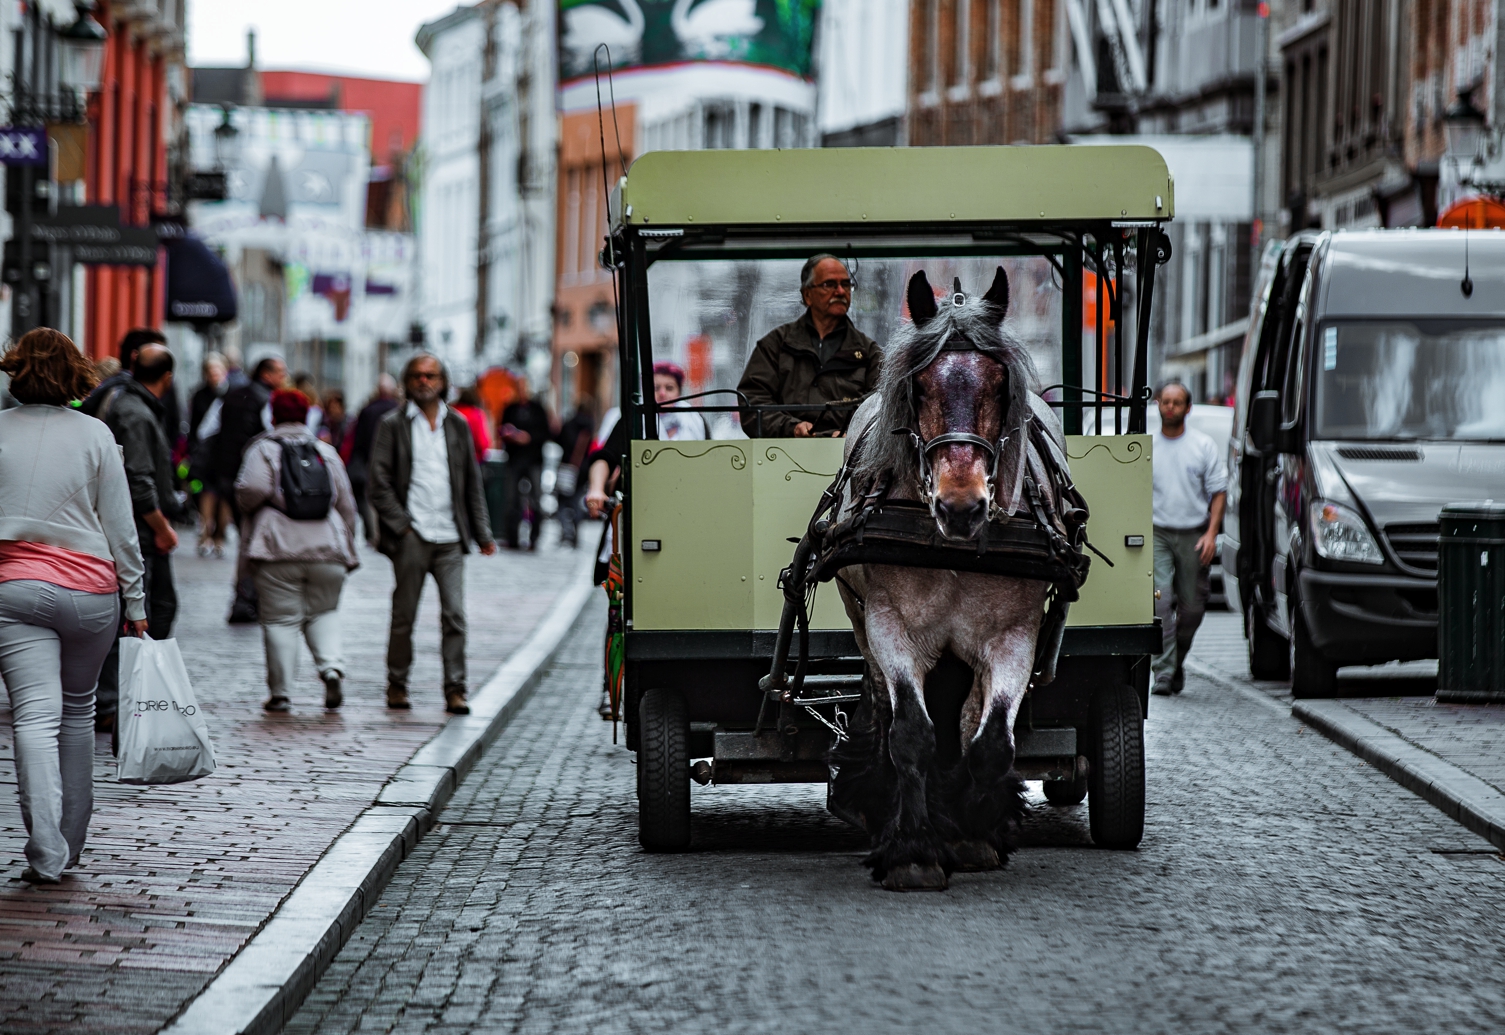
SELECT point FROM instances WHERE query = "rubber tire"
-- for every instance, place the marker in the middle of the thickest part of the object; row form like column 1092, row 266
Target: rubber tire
column 1269, row 652
column 1115, row 794
column 663, row 772
column 1065, row 792
column 1312, row 675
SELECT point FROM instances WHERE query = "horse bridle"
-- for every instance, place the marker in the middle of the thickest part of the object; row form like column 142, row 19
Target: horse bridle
column 924, row 447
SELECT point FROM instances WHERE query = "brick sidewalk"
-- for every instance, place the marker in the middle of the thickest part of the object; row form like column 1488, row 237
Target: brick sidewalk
column 176, row 879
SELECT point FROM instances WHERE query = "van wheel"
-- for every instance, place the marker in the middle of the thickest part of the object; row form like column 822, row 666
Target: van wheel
column 1312, row 675
column 1269, row 652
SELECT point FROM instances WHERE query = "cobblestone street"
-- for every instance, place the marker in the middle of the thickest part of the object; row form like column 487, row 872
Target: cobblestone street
column 175, row 879
column 1282, row 885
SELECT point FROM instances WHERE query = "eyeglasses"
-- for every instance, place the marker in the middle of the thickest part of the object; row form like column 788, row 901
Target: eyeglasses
column 832, row 285
column 425, row 375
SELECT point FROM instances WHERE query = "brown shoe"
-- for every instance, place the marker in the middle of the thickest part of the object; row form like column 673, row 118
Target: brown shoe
column 397, row 697
column 454, row 702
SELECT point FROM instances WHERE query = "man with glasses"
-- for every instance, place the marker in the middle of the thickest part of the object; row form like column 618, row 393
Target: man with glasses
column 819, row 358
column 426, row 491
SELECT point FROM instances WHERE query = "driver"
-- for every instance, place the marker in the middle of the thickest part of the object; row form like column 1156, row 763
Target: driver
column 819, row 358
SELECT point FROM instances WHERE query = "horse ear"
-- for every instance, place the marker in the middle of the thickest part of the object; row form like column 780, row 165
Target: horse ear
column 922, row 307
column 998, row 294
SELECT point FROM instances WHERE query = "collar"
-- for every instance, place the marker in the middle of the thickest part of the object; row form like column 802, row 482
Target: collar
column 412, row 412
column 143, row 393
column 808, row 322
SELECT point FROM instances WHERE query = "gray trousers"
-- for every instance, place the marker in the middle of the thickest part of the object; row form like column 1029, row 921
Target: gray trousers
column 1184, row 584
column 52, row 644
column 298, row 600
column 416, row 560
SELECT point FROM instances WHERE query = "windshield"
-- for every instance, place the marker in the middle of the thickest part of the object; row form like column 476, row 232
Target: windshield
column 1403, row 379
column 707, row 315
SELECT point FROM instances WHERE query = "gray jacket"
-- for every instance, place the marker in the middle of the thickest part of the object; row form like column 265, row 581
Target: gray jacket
column 134, row 416
column 62, row 483
column 276, row 537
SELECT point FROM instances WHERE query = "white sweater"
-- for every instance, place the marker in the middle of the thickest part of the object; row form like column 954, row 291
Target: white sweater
column 62, row 483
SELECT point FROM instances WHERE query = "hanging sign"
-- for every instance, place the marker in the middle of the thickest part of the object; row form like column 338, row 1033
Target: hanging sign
column 23, row 145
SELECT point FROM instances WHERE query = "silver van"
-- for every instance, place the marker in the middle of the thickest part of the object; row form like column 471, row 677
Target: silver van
column 1371, row 392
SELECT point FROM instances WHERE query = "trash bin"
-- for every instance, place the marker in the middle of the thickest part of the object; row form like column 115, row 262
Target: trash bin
column 1471, row 603
column 494, row 482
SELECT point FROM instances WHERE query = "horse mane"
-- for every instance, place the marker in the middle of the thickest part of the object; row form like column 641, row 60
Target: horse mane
column 913, row 348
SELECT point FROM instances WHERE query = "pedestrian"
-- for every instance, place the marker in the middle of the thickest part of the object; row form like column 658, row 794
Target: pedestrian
column 575, row 441
column 246, row 413
column 426, row 492
column 358, row 459
column 205, row 410
column 132, row 410
column 668, row 385
column 234, row 367
column 300, row 514
column 303, row 382
column 1191, row 485
column 68, row 556
column 524, row 430
column 468, row 405
column 130, row 346
column 335, row 427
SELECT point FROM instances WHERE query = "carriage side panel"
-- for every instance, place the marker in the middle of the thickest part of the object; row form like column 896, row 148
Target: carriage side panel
column 1113, row 474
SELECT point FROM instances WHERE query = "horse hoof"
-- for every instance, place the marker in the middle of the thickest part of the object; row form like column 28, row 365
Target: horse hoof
column 914, row 877
column 974, row 856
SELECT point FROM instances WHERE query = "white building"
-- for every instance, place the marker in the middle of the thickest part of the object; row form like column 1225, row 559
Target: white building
column 485, row 211
column 863, row 62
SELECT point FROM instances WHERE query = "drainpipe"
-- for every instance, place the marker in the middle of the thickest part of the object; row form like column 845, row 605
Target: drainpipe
column 483, row 154
column 1261, row 69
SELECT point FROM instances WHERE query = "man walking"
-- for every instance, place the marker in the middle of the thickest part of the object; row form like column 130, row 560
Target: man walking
column 425, row 487
column 245, row 413
column 1190, row 490
column 525, row 429
column 358, row 458
column 132, row 410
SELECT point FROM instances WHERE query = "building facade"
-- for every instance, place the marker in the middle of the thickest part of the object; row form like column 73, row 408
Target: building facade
column 863, row 73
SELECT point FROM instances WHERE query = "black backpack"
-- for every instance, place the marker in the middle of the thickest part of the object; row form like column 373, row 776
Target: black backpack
column 307, row 490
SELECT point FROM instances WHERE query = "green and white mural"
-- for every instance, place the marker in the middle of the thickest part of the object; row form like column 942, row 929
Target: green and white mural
column 654, row 33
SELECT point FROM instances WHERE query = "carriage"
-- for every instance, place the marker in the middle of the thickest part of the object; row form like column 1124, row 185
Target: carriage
column 707, row 246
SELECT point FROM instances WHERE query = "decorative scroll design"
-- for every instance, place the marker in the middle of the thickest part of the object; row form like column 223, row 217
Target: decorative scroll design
column 738, row 458
column 771, row 452
column 1134, row 447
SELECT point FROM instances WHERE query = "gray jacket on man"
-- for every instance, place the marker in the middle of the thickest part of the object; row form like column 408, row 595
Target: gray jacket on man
column 276, row 537
column 392, row 474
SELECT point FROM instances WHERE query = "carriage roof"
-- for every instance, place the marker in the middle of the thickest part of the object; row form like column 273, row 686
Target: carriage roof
column 889, row 185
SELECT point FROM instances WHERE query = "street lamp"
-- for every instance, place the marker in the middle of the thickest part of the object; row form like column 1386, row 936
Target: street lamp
column 1463, row 126
column 226, row 143
column 83, row 46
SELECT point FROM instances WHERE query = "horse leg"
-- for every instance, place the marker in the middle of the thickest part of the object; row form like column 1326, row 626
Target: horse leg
column 990, row 804
column 862, row 788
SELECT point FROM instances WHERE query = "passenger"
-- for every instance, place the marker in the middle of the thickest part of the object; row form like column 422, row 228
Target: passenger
column 668, row 385
column 819, row 358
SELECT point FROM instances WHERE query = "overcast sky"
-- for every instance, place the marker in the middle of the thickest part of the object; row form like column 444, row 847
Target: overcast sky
column 361, row 37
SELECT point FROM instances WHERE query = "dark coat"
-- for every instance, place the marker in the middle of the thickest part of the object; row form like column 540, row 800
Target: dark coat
column 365, row 436
column 134, row 417
column 392, row 473
column 240, row 421
column 785, row 369
column 530, row 416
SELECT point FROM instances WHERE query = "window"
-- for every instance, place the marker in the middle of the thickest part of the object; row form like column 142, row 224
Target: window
column 960, row 62
column 992, row 50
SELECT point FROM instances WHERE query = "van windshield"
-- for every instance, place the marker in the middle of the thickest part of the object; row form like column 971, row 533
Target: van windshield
column 1404, row 379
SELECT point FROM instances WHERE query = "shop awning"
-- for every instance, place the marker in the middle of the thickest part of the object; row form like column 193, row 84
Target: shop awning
column 199, row 288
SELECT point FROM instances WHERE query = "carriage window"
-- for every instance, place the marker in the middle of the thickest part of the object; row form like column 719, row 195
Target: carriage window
column 708, row 315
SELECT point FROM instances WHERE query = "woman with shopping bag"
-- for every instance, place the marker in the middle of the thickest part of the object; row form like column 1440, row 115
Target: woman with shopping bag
column 68, row 555
column 301, row 546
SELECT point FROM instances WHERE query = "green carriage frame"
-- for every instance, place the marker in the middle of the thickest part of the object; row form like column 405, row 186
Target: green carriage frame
column 707, row 526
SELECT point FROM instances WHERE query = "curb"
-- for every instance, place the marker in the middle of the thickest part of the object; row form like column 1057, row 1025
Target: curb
column 265, row 983
column 1479, row 806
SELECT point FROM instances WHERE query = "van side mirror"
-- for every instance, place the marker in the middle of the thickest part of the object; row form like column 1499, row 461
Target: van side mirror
column 1264, row 420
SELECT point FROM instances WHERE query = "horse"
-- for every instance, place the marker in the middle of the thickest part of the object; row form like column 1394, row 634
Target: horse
column 946, row 426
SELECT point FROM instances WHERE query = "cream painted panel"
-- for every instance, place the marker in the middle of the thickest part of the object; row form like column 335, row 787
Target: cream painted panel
column 696, row 498
column 1113, row 474
column 789, row 476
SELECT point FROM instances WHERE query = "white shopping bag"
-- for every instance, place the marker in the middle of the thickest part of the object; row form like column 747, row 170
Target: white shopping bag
column 162, row 736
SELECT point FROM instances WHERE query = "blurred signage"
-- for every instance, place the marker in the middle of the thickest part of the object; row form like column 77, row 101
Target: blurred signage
column 655, row 33
column 96, row 236
column 23, row 145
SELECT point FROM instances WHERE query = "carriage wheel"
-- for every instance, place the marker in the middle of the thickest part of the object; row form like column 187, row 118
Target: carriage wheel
column 1115, row 796
column 663, row 772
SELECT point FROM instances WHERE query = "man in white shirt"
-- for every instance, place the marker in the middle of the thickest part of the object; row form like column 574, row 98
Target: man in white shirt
column 1191, row 483
column 426, row 490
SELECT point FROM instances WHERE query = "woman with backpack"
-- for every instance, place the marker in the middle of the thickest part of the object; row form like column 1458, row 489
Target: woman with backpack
column 301, row 512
